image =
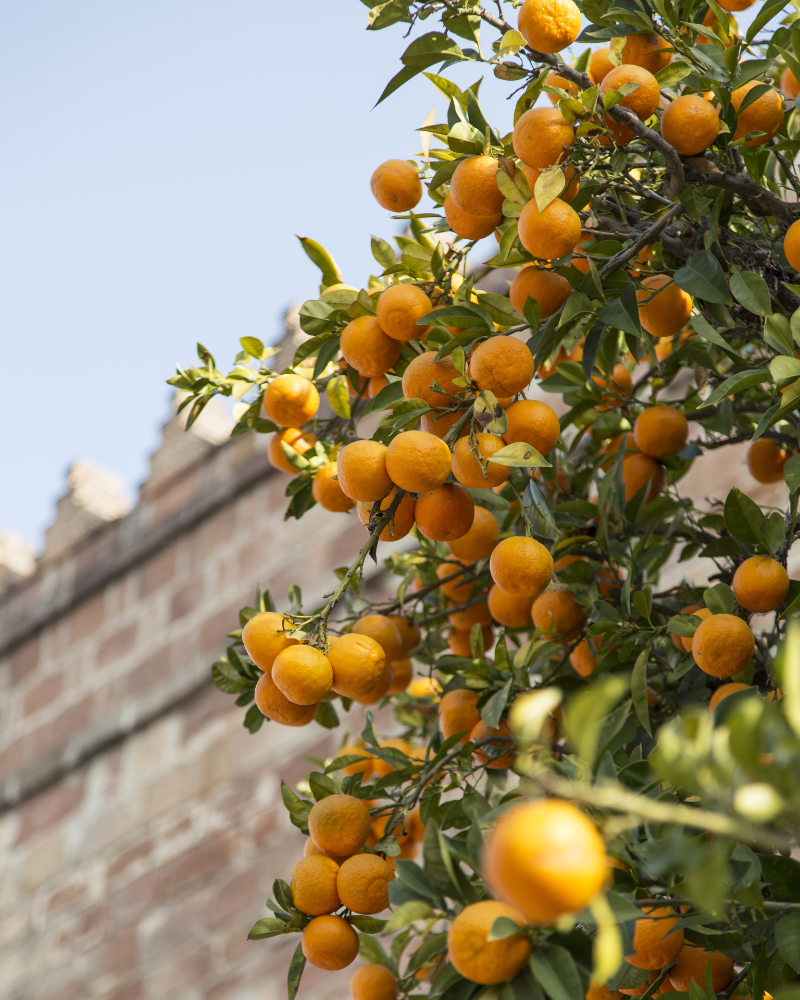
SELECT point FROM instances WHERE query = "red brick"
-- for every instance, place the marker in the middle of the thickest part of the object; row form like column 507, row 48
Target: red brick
column 158, row 571
column 42, row 694
column 58, row 731
column 49, row 807
column 209, row 704
column 133, row 991
column 214, row 629
column 236, row 897
column 24, row 660
column 185, row 972
column 116, row 956
column 136, row 898
column 63, row 897
column 116, row 646
column 123, row 861
column 88, row 617
column 92, row 926
column 196, row 865
column 185, row 600
column 11, row 758
column 150, row 671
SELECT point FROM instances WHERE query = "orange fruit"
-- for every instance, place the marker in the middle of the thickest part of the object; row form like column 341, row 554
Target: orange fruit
column 469, row 227
column 722, row 645
column 552, row 233
column 385, row 633
column 549, row 289
column 440, row 423
column 445, row 513
column 473, row 955
column 494, row 761
column 521, row 566
column 656, row 942
column 600, row 64
column 686, row 641
column 361, row 470
column 560, row 83
column 458, row 714
column 402, row 671
column 661, row 431
column 329, row 942
column 303, row 674
column 460, row 643
column 402, row 520
column 502, row 365
column 425, row 687
column 691, row 965
column 265, row 635
column 719, row 695
column 473, row 186
column 511, row 610
column 546, row 370
column 298, row 440
column 546, row 857
column 274, row 704
column 599, row 991
column 327, row 491
column 572, row 179
column 313, row 885
column 582, row 658
column 339, row 824
column 549, row 25
column 398, row 310
column 646, row 50
column 644, row 100
column 375, row 385
column 385, row 681
column 409, row 633
column 291, row 400
column 373, row 982
column 559, row 614
column 790, row 88
column 760, row 584
column 476, row 614
column 765, row 114
column 533, row 422
column 610, row 448
column 423, row 371
column 677, row 640
column 363, row 883
column 479, row 540
column 619, row 387
column 690, row 124
column 311, row 850
column 418, row 461
column 479, row 475
column 791, row 245
column 380, row 767
column 666, row 312
column 396, row 186
column 367, row 348
column 359, row 767
column 639, row 469
column 765, row 460
column 540, row 137
column 357, row 662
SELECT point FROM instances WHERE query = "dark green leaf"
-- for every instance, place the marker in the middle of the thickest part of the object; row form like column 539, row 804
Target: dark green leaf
column 639, row 689
column 494, row 707
column 737, row 383
column 743, row 517
column 750, row 290
column 296, row 967
column 555, row 969
column 791, row 473
column 702, row 276
column 622, row 313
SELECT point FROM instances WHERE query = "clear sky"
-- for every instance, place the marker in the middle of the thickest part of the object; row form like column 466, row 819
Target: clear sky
column 157, row 158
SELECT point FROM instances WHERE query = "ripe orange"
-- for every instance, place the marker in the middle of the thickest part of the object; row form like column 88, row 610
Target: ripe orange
column 666, row 312
column 791, row 245
column 460, row 643
column 559, row 614
column 639, row 469
column 457, row 589
column 291, row 400
column 385, row 682
column 690, row 124
column 384, row 631
column 274, row 704
column 661, row 431
column 600, row 64
column 402, row 671
column 610, row 448
column 479, row 540
column 765, row 114
column 572, row 179
column 265, row 635
column 582, row 658
column 644, row 100
column 765, row 460
column 329, row 942
column 440, row 424
column 677, row 640
column 533, row 422
column 549, row 289
column 760, row 584
column 359, row 767
column 328, row 492
column 339, row 824
column 549, row 25
column 469, row 227
column 473, row 186
column 375, row 385
column 503, row 365
column 477, row 614
column 722, row 645
column 311, row 849
column 425, row 687
column 561, row 83
column 299, row 441
column 546, row 370
column 540, row 136
column 418, row 461
column 398, row 310
column 646, row 50
column 373, row 982
column 721, row 693
column 486, row 754
column 409, row 632
column 619, row 387
column 478, row 959
column 357, row 662
column 380, row 767
column 367, row 348
column 423, row 371
column 396, row 186
column 313, row 885
column 361, row 468
column 402, row 520
column 511, row 610
column 686, row 641
column 303, row 674
column 458, row 714
column 445, row 513
column 521, row 566
column 599, row 991
column 363, row 883
column 790, row 88
column 552, row 233
column 547, row 858
column 656, row 942
column 691, row 965
column 479, row 475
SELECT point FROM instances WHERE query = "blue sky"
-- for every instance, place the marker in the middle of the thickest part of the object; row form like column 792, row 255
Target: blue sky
column 158, row 157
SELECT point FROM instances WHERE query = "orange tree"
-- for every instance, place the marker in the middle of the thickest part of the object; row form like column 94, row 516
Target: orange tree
column 593, row 782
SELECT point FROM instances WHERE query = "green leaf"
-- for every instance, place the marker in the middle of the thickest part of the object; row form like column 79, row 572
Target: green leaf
column 555, row 969
column 627, row 977
column 369, row 925
column 429, row 49
column 488, row 498
column 639, row 689
column 253, row 346
column 737, row 383
column 702, row 276
column 331, row 274
column 297, row 808
column 489, row 413
column 750, row 290
column 382, row 252
column 787, row 938
column 783, row 877
column 389, row 394
column 767, row 12
column 719, row 599
column 673, row 73
column 456, row 315
column 622, row 313
column 743, row 517
column 519, row 455
column 503, row 927
column 784, row 369
column 494, row 707
column 408, row 913
column 539, row 513
column 704, row 329
column 371, row 951
column 266, row 928
column 791, row 473
column 338, row 396
column 296, row 967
